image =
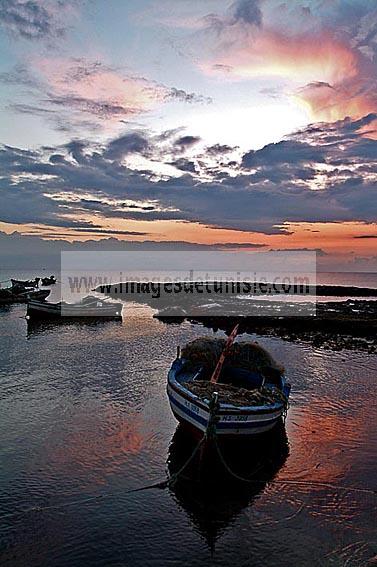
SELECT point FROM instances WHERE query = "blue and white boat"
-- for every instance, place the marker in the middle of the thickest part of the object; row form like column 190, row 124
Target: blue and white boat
column 232, row 419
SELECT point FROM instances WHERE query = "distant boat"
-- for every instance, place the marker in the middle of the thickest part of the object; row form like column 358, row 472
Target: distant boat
column 22, row 295
column 48, row 281
column 25, row 283
column 251, row 390
column 89, row 307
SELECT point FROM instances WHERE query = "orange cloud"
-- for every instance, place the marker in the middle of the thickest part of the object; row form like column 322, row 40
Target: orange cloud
column 302, row 58
column 331, row 103
column 334, row 77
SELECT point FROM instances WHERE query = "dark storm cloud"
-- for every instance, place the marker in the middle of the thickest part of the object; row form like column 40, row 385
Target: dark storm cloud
column 325, row 172
column 124, row 145
column 185, row 143
column 184, row 164
column 285, row 152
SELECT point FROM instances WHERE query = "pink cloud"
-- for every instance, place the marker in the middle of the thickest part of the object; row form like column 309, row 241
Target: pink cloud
column 330, row 77
column 80, row 93
column 93, row 82
column 301, row 58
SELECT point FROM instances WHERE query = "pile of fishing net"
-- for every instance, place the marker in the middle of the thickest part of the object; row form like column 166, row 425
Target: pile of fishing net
column 205, row 352
column 229, row 394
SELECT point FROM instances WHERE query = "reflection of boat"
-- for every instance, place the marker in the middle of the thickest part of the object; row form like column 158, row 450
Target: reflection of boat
column 22, row 295
column 213, row 498
column 38, row 326
column 89, row 307
column 48, row 281
column 253, row 391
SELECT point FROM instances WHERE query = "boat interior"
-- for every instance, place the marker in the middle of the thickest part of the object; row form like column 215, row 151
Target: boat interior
column 234, row 376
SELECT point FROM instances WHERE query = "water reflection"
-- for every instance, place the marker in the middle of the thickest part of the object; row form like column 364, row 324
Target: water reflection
column 210, row 496
column 40, row 326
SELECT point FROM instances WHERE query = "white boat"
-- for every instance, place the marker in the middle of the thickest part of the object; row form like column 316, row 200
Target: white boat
column 89, row 307
column 241, row 418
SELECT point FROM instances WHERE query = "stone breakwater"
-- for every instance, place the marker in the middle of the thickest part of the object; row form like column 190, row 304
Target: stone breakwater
column 337, row 325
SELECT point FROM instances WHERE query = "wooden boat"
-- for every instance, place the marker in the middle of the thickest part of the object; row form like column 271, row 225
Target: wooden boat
column 25, row 283
column 48, row 281
column 89, row 307
column 250, row 402
column 22, row 295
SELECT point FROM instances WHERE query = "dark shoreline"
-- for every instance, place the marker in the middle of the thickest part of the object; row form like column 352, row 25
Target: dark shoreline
column 132, row 289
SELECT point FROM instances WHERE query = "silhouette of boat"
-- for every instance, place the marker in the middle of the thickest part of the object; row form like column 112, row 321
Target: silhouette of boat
column 49, row 281
column 211, row 496
column 22, row 295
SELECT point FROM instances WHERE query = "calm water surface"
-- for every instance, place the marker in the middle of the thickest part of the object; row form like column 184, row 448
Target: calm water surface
column 84, row 414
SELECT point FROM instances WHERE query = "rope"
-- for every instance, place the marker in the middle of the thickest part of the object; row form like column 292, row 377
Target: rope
column 210, row 434
column 291, row 481
column 53, row 507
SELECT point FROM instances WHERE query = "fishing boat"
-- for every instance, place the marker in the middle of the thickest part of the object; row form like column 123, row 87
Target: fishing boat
column 89, row 307
column 25, row 283
column 49, row 281
column 22, row 295
column 252, row 394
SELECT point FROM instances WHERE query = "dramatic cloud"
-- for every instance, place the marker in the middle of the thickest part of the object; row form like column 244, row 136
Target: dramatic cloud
column 185, row 142
column 324, row 173
column 324, row 58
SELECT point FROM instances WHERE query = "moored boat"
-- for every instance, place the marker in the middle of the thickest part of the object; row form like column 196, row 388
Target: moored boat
column 25, row 283
column 49, row 281
column 89, row 307
column 251, row 389
column 22, row 295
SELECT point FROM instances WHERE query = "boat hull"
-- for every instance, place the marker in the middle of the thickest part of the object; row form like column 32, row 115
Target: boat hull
column 236, row 422
column 194, row 413
column 36, row 310
column 25, row 296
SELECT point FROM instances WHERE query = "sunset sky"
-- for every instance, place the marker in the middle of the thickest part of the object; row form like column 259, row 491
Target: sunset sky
column 207, row 121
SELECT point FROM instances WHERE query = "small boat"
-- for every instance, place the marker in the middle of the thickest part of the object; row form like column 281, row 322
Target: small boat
column 49, row 281
column 252, row 389
column 38, row 295
column 22, row 295
column 25, row 283
column 88, row 307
